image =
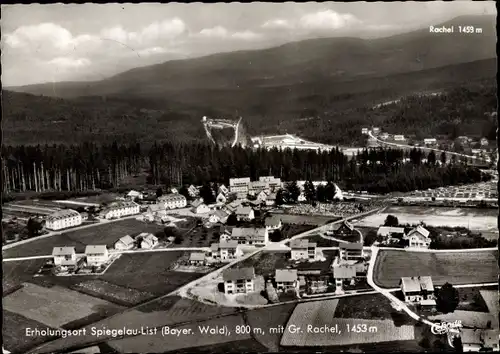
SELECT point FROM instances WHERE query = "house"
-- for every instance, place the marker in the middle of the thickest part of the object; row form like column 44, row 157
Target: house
column 343, row 272
column 193, row 191
column 125, row 243
column 156, row 208
column 239, row 186
column 218, row 216
column 273, row 223
column 286, row 279
column 384, row 136
column 227, row 250
column 96, row 255
column 148, row 241
column 173, row 201
column 250, row 236
column 197, row 258
column 342, row 229
column 119, row 209
column 271, row 199
column 375, row 130
column 430, row 141
column 474, row 340
column 399, row 137
column 199, row 207
column 303, row 249
column 84, row 215
column 351, row 251
column 418, row 237
column 244, row 213
column 364, row 130
column 484, row 142
column 134, row 194
column 239, row 280
column 223, row 190
column 63, row 219
column 174, row 190
column 273, row 183
column 302, row 197
column 64, row 256
column 389, row 231
column 417, row 289
column 221, row 198
column 262, row 196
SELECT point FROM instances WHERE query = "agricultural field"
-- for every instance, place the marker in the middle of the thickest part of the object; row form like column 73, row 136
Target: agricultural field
column 453, row 267
column 17, row 272
column 14, row 330
column 55, row 307
column 321, row 313
column 117, row 294
column 199, row 236
column 265, row 263
column 473, row 219
column 314, row 220
column 289, row 230
column 158, row 343
column 370, row 307
column 107, row 234
column 266, row 318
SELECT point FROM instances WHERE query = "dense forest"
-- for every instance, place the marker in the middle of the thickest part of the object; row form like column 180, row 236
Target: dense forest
column 88, row 167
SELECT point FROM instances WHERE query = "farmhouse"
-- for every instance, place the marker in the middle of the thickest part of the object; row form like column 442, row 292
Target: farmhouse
column 238, row 280
column 303, row 249
column 417, row 289
column 173, row 201
column 271, row 199
column 475, row 340
column 244, row 213
column 218, row 216
column 125, row 243
column 96, row 255
column 148, row 241
column 119, row 209
column 351, row 251
column 239, row 186
column 221, row 198
column 199, row 207
column 134, row 194
column 64, row 256
column 273, row 223
column 250, row 236
column 63, row 219
column 344, row 228
column 193, row 191
column 389, row 231
column 286, row 279
column 197, row 258
column 399, row 138
column 418, row 237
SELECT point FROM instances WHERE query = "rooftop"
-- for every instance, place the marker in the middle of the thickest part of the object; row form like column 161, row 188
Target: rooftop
column 285, row 275
column 127, row 239
column 417, row 284
column 95, row 249
column 199, row 256
column 62, row 214
column 63, row 251
column 228, row 244
column 249, row 233
column 302, row 243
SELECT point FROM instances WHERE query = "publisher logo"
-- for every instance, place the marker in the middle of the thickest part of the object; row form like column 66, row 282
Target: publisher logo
column 446, row 327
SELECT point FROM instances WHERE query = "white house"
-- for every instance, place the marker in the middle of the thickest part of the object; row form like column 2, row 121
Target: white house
column 384, row 136
column 303, row 249
column 148, row 241
column 250, row 236
column 221, row 198
column 96, row 255
column 125, row 243
column 174, row 190
column 193, row 191
column 134, row 194
column 430, row 141
column 245, row 213
column 286, row 279
column 364, row 130
column 418, row 238
column 119, row 209
column 389, row 231
column 273, row 223
column 225, row 250
column 262, row 196
column 376, row 130
column 343, row 272
column 238, row 280
column 218, row 216
column 271, row 199
column 351, row 251
column 302, row 198
column 64, row 256
column 399, row 138
column 197, row 258
column 173, row 201
column 417, row 289
column 223, row 190
column 63, row 219
column 199, row 207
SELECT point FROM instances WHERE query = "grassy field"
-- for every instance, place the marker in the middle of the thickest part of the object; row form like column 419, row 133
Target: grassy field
column 289, row 230
column 55, row 307
column 471, row 300
column 158, row 343
column 198, row 236
column 14, row 332
column 267, row 318
column 455, row 268
column 15, row 273
column 375, row 307
column 322, row 242
column 265, row 263
column 101, row 234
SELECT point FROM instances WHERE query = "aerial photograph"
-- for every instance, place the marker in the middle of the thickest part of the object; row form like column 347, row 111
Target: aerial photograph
column 250, row 177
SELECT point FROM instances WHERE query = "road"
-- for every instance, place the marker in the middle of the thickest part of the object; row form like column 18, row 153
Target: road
column 424, row 148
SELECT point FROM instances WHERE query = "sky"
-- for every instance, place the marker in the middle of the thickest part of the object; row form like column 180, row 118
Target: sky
column 58, row 42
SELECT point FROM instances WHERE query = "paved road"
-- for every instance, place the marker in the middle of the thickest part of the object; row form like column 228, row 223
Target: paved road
column 424, row 148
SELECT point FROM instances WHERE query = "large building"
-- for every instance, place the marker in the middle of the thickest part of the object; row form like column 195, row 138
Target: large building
column 173, row 201
column 239, row 280
column 239, row 186
column 288, row 141
column 96, row 255
column 303, row 249
column 250, row 236
column 63, row 219
column 119, row 209
column 274, row 183
column 64, row 256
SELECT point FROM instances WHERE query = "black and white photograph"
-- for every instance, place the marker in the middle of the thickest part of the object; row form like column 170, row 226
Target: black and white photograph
column 250, row 177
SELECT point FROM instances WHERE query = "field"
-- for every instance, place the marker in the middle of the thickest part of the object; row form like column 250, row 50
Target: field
column 321, row 313
column 158, row 343
column 490, row 297
column 370, row 307
column 101, row 234
column 322, row 242
column 267, row 318
column 198, row 236
column 16, row 273
column 471, row 299
column 14, row 332
column 97, row 199
column 265, row 263
column 118, row 294
column 315, row 220
column 455, row 268
column 473, row 219
column 54, row 307
column 289, row 230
